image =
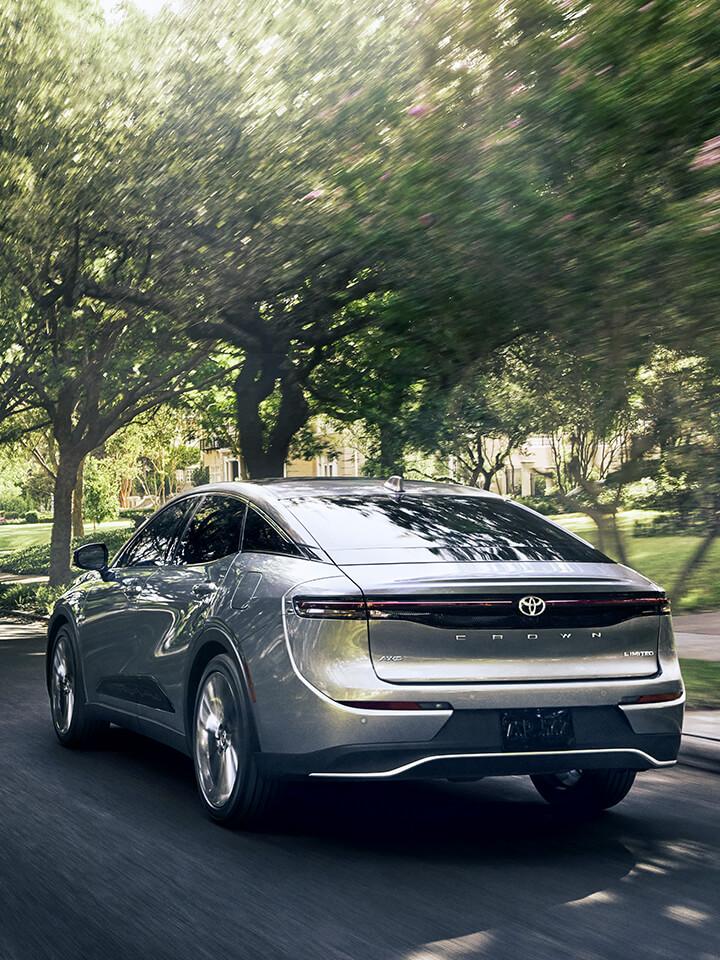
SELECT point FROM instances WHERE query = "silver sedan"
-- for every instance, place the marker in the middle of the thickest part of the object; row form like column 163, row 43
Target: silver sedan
column 368, row 630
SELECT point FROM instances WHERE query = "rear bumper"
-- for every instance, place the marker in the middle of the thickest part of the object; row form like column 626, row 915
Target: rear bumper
column 470, row 745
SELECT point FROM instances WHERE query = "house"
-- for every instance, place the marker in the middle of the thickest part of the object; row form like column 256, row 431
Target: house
column 341, row 455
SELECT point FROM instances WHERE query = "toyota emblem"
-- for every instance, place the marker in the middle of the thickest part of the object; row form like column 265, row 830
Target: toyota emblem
column 531, row 606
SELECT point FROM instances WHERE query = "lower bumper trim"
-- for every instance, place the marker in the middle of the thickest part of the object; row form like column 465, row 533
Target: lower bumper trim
column 560, row 755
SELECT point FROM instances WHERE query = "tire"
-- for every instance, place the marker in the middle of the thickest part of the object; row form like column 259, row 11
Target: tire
column 74, row 723
column 232, row 789
column 584, row 791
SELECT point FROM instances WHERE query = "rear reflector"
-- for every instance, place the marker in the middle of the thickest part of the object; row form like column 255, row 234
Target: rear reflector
column 654, row 697
column 395, row 705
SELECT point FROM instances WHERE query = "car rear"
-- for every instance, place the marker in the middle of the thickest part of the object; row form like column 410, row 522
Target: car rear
column 460, row 635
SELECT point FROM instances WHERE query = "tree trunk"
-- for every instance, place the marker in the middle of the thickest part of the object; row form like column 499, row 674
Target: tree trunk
column 78, row 527
column 618, row 538
column 694, row 560
column 265, row 452
column 67, row 472
column 391, row 450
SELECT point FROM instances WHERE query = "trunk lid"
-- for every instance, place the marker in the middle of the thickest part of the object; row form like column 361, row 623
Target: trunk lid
column 465, row 622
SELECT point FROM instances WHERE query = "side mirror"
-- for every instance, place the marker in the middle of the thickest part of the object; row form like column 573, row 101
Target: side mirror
column 91, row 556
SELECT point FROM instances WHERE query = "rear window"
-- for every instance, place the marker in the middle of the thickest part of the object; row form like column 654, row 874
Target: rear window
column 436, row 528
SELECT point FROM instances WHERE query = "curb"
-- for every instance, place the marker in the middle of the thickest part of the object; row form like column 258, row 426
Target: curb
column 24, row 615
column 703, row 753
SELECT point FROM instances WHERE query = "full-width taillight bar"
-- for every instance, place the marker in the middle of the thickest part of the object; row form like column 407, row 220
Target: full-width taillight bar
column 341, row 608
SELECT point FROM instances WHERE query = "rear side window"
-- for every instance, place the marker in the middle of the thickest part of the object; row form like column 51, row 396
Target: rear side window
column 262, row 537
column 214, row 531
column 151, row 547
column 420, row 529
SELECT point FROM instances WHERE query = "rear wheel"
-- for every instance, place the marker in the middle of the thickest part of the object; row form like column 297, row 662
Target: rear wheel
column 232, row 788
column 584, row 791
column 74, row 723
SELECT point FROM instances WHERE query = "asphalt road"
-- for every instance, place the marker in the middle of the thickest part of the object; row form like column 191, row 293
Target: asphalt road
column 106, row 854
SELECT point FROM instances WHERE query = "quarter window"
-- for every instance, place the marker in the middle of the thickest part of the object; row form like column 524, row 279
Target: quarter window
column 152, row 546
column 262, row 537
column 214, row 531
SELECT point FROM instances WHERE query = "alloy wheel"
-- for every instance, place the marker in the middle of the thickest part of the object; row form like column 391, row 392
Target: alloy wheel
column 62, row 686
column 217, row 739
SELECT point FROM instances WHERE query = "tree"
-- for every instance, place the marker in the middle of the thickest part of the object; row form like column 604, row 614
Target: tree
column 683, row 390
column 487, row 417
column 101, row 495
column 92, row 358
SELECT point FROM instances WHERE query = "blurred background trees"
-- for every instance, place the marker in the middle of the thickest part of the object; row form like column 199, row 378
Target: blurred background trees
column 445, row 227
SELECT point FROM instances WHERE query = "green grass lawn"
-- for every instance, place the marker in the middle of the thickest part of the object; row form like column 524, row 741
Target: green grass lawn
column 17, row 536
column 702, row 683
column 660, row 558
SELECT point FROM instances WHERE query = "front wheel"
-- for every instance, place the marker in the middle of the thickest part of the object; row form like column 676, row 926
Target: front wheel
column 74, row 723
column 584, row 791
column 232, row 788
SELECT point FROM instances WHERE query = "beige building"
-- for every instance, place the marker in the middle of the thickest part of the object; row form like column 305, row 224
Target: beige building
column 518, row 478
column 346, row 459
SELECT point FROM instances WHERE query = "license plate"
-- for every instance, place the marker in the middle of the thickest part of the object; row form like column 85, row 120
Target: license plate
column 537, row 729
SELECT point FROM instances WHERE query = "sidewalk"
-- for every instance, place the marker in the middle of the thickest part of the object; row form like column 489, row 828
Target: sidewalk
column 701, row 740
column 21, row 578
column 697, row 635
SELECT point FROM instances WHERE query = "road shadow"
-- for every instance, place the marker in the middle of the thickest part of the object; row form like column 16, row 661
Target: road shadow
column 394, row 871
column 500, row 819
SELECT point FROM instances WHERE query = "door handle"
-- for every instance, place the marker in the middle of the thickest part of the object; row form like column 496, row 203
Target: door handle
column 204, row 589
column 132, row 589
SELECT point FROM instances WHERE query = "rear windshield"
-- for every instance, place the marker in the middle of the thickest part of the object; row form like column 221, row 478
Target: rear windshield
column 436, row 528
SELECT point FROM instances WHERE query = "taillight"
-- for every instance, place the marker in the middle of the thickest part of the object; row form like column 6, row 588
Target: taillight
column 330, row 609
column 654, row 697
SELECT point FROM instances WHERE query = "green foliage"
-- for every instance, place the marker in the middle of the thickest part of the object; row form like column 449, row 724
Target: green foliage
column 367, row 201
column 100, row 493
column 32, row 517
column 137, row 517
column 200, row 476
column 36, row 559
column 31, row 598
column 549, row 504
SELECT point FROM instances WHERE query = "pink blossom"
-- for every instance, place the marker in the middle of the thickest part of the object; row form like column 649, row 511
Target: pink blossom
column 572, row 41
column 418, row 110
column 515, row 122
column 427, row 219
column 646, row 6
column 313, row 195
column 385, row 176
column 567, row 217
column 518, row 88
column 708, row 155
